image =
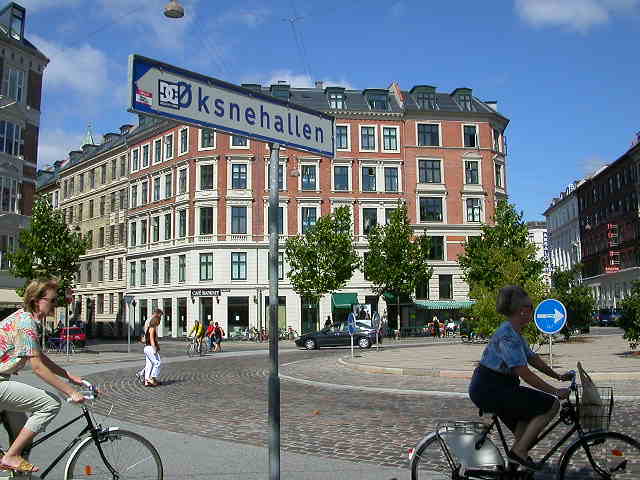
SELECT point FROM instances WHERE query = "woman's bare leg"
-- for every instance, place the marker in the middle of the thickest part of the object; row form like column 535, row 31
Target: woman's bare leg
column 534, row 427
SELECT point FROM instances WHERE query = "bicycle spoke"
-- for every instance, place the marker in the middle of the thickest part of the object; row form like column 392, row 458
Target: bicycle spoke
column 615, row 457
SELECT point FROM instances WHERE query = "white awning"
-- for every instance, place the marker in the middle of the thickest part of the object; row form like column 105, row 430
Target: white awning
column 9, row 298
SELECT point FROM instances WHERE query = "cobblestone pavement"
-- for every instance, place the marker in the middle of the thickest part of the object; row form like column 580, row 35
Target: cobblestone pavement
column 226, row 399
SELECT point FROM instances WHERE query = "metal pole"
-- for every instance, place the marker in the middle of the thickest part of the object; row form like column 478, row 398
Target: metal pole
column 66, row 321
column 550, row 351
column 129, row 328
column 274, row 380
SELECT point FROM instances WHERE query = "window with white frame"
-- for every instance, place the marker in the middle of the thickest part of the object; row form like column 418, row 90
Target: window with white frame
column 238, row 141
column 368, row 138
column 308, row 217
column 239, row 176
column 343, row 137
column 143, row 232
column 157, row 150
column 156, row 271
column 388, row 212
column 11, row 141
column 391, row 179
column 144, row 193
column 133, row 228
column 390, row 139
column 238, row 265
column 145, row 156
column 168, row 146
column 156, row 189
column 134, row 199
column 472, row 172
column 182, row 181
column 155, row 229
column 429, row 171
column 143, row 272
column 207, row 176
column 238, row 220
column 184, row 141
column 499, row 175
column 206, row 266
column 369, row 219
column 167, row 269
column 368, row 179
column 168, row 226
column 182, row 268
column 428, row 134
column 308, row 177
column 474, row 209
column 168, row 185
column 336, row 101
column 206, row 220
column 207, row 139
column 341, row 175
column 496, row 140
column 182, row 223
column 13, row 84
column 470, row 136
column 132, row 274
column 135, row 160
column 431, row 209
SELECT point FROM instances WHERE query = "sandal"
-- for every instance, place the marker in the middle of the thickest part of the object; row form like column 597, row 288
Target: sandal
column 527, row 463
column 23, row 467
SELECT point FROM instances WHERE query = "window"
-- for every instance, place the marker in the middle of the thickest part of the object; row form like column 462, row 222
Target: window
column 81, row 176
column 280, row 266
column 308, row 218
column 112, row 235
column 100, row 270
column 89, row 273
column 238, row 220
column 155, row 229
column 239, row 176
column 341, row 178
column 238, row 266
column 184, row 141
column 436, row 248
column 368, row 179
column 378, row 101
column 119, row 269
column 156, row 189
column 100, row 303
column 471, row 174
column 134, row 196
column 280, row 177
column 11, row 141
column 14, row 84
column 342, row 137
column 168, row 181
column 80, row 208
column 206, row 220
column 132, row 274
column 143, row 232
column 206, row 177
column 428, row 135
column 206, row 266
column 496, row 140
column 145, row 156
column 207, row 138
column 430, row 209
column 114, row 169
column 390, row 138
column 111, row 298
column 465, row 102
column 429, row 171
column 155, row 275
column 133, row 232
column 474, row 209
column 369, row 219
column 182, row 223
column 426, row 100
column 182, row 181
column 102, row 203
column 167, row 270
column 337, row 101
column 498, row 167
column 112, row 202
column 144, row 193
column 143, row 272
column 92, row 178
column 182, row 268
column 70, row 210
column 309, row 177
column 135, row 160
column 101, row 237
column 368, row 138
column 387, row 215
column 167, row 226
column 470, row 136
column 123, row 165
column 422, row 290
column 157, row 151
column 103, row 174
column 446, row 286
column 168, row 147
column 238, row 141
column 391, row 179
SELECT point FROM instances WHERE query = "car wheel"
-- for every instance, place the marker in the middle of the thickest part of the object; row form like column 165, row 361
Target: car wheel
column 364, row 342
column 310, row 344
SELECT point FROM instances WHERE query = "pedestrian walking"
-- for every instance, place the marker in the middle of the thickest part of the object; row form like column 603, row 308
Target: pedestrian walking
column 436, row 327
column 156, row 313
column 327, row 323
column 218, row 333
column 152, row 354
column 209, row 335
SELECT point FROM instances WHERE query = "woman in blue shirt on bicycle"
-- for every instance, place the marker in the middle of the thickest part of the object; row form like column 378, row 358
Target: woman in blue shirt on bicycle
column 495, row 386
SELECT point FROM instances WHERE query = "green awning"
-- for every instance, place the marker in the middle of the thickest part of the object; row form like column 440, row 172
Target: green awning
column 343, row 300
column 391, row 298
column 444, row 304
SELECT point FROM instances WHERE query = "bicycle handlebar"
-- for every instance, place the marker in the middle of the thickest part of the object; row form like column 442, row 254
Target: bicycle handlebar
column 89, row 393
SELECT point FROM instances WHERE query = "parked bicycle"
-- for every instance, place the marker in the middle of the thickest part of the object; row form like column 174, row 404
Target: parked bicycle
column 463, row 450
column 194, row 347
column 102, row 452
column 59, row 345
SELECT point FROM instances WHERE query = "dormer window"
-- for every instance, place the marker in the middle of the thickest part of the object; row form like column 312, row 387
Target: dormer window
column 465, row 102
column 17, row 23
column 463, row 98
column 336, row 98
column 378, row 101
column 425, row 97
column 281, row 91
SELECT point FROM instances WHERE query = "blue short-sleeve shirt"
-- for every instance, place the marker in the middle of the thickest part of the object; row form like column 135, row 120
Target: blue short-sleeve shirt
column 506, row 349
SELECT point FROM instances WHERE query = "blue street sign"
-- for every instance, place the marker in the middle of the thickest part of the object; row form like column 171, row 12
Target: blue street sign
column 550, row 316
column 351, row 323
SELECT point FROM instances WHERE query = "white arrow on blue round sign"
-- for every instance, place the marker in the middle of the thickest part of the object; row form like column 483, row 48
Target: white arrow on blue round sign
column 550, row 316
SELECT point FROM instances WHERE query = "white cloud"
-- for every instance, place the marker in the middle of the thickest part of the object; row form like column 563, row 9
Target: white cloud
column 83, row 68
column 296, row 80
column 577, row 15
column 591, row 164
column 55, row 144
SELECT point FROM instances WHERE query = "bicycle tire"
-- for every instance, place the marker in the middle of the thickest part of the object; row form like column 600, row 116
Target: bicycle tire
column 190, row 350
column 617, row 454
column 130, row 454
column 429, row 461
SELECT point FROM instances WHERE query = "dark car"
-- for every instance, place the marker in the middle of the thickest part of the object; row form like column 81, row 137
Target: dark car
column 336, row 336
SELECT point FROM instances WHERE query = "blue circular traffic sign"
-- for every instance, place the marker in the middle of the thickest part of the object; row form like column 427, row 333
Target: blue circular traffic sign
column 550, row 316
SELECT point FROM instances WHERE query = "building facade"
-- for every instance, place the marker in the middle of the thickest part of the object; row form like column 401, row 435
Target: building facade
column 197, row 244
column 21, row 68
column 563, row 230
column 610, row 229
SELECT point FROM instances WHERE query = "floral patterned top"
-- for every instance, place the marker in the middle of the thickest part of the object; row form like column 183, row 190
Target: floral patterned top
column 18, row 341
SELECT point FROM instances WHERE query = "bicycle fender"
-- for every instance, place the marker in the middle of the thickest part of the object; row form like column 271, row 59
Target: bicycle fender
column 420, row 444
column 574, row 445
column 73, row 453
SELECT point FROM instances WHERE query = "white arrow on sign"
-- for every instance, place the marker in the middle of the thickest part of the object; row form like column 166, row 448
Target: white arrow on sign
column 556, row 315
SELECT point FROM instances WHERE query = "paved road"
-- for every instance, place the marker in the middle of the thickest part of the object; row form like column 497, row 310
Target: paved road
column 225, row 398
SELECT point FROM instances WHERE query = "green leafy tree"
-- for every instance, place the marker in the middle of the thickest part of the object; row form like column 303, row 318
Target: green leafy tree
column 630, row 319
column 577, row 298
column 397, row 259
column 501, row 255
column 323, row 259
column 48, row 248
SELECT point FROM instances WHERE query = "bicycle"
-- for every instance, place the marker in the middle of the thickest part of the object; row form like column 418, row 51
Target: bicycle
column 102, row 452
column 463, row 450
column 59, row 345
column 194, row 347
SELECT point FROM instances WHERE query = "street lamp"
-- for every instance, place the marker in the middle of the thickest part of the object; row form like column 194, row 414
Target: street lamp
column 173, row 9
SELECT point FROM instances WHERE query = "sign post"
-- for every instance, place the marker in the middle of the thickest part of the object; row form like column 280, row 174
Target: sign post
column 351, row 326
column 128, row 299
column 550, row 317
column 375, row 323
column 169, row 92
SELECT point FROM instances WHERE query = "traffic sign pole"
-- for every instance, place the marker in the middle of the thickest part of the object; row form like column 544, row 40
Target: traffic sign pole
column 551, row 351
column 352, row 345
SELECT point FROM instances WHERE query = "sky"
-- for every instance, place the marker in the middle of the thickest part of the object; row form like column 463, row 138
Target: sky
column 565, row 72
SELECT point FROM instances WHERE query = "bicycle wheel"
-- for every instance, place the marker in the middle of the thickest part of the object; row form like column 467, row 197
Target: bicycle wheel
column 129, row 454
column 615, row 455
column 190, row 350
column 429, row 461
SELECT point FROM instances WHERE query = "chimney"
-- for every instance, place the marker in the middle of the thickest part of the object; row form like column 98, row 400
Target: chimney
column 319, row 84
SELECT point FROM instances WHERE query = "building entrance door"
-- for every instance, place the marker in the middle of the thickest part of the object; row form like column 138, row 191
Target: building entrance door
column 237, row 316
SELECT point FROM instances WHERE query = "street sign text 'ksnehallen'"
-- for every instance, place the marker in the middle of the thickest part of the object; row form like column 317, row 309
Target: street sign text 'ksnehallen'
column 170, row 92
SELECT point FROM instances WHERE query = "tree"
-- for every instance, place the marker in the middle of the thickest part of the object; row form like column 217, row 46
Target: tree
column 501, row 255
column 630, row 319
column 323, row 259
column 577, row 298
column 48, row 249
column 397, row 260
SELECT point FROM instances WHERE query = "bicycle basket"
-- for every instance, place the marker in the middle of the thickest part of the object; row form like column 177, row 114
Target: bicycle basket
column 595, row 414
column 460, row 439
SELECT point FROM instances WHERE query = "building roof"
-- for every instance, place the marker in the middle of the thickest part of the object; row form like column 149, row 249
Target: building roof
column 5, row 34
